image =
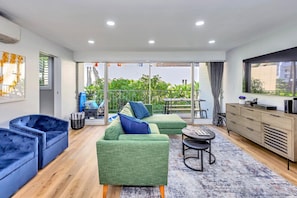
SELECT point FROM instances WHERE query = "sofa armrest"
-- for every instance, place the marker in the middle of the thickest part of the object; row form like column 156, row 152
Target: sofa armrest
column 133, row 162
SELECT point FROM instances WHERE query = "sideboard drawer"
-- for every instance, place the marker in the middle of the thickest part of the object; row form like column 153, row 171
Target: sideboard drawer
column 233, row 117
column 235, row 109
column 252, row 133
column 233, row 126
column 276, row 120
column 251, row 124
column 250, row 113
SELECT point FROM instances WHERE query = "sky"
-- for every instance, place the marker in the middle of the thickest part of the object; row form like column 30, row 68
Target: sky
column 174, row 75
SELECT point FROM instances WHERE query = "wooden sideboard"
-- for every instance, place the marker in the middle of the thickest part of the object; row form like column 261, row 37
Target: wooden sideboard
column 274, row 130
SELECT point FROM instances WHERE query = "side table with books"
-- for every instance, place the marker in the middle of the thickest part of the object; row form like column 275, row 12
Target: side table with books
column 197, row 138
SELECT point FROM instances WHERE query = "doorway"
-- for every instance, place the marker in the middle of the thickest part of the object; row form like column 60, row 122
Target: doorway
column 46, row 85
column 150, row 83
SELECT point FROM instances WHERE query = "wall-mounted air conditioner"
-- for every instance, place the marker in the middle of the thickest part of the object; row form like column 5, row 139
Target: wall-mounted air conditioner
column 9, row 31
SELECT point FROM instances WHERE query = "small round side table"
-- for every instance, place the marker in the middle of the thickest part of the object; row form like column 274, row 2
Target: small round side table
column 197, row 138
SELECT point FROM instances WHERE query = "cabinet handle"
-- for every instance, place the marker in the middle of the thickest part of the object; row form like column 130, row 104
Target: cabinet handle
column 250, row 119
column 233, row 122
column 266, row 124
column 250, row 109
column 250, row 129
column 233, row 114
column 275, row 115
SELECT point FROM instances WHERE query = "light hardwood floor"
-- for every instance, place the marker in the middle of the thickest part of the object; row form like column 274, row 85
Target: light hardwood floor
column 74, row 174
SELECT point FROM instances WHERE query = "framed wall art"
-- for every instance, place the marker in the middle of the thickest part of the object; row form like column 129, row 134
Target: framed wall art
column 12, row 77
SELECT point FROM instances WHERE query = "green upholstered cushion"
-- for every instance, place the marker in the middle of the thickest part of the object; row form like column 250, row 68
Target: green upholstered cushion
column 113, row 130
column 170, row 131
column 166, row 121
column 149, row 107
column 144, row 137
column 154, row 128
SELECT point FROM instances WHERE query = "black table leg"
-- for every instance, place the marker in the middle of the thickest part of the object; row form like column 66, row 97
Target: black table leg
column 210, row 154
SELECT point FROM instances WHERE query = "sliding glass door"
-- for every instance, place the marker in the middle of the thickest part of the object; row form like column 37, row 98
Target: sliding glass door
column 115, row 84
column 183, row 88
column 91, row 96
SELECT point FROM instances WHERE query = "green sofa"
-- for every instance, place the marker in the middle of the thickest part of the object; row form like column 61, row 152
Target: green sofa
column 137, row 159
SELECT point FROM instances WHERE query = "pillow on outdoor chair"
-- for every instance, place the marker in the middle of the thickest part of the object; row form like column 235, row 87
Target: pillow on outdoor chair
column 91, row 104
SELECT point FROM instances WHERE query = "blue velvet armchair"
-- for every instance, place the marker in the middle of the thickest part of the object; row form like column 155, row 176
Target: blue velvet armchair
column 18, row 160
column 52, row 135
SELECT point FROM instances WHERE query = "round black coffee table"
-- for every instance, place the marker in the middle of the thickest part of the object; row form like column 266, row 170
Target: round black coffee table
column 197, row 138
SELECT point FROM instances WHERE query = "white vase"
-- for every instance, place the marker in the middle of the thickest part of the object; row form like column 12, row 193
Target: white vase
column 241, row 101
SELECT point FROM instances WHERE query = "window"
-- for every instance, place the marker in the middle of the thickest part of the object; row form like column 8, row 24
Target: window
column 272, row 74
column 45, row 71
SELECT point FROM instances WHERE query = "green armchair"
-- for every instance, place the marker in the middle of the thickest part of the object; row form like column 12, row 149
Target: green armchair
column 133, row 160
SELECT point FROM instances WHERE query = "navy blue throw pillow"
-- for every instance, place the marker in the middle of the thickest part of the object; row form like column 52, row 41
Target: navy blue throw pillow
column 140, row 111
column 133, row 125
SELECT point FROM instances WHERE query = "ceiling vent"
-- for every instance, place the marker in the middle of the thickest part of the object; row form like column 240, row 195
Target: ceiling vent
column 9, row 32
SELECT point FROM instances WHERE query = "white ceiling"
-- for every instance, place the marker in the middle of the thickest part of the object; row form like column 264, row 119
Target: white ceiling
column 171, row 23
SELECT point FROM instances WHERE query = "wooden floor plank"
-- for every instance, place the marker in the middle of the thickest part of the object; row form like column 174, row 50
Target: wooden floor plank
column 74, row 173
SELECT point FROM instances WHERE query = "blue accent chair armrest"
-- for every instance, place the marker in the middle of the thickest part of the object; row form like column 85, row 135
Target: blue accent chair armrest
column 18, row 160
column 52, row 134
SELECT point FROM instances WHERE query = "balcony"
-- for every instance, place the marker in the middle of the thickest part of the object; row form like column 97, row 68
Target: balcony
column 118, row 98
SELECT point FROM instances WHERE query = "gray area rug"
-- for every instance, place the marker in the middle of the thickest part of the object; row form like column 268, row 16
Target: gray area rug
column 235, row 174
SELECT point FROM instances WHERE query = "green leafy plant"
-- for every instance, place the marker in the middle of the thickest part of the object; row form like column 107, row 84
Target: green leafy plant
column 121, row 91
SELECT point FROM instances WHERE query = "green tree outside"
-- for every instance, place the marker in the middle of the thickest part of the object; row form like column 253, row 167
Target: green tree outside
column 121, row 91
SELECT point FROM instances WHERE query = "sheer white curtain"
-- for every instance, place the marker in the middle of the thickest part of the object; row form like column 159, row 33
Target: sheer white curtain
column 215, row 72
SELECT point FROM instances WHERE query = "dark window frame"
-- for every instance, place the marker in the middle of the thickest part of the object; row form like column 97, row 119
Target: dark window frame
column 288, row 55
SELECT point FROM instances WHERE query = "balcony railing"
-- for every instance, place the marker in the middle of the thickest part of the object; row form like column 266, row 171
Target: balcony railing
column 118, row 98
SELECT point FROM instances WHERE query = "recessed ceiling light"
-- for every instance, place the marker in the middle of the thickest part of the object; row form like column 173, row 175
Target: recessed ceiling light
column 110, row 23
column 151, row 42
column 91, row 41
column 199, row 23
column 211, row 41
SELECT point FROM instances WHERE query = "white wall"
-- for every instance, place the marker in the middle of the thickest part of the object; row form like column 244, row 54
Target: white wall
column 275, row 41
column 69, row 102
column 29, row 46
